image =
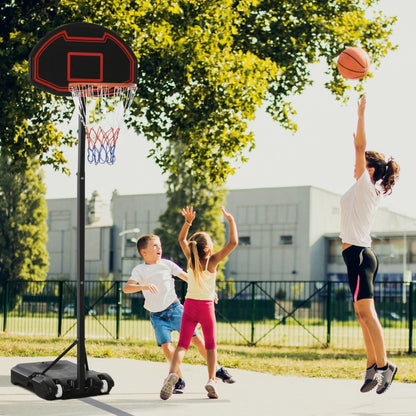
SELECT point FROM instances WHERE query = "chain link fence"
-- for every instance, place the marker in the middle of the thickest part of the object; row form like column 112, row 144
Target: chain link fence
column 278, row 313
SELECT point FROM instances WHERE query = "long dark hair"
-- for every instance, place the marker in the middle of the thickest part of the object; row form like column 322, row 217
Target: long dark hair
column 386, row 172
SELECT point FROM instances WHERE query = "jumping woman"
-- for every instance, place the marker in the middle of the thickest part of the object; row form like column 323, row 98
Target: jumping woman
column 374, row 178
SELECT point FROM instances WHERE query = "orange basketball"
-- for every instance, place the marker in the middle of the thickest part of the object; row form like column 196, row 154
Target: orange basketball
column 353, row 63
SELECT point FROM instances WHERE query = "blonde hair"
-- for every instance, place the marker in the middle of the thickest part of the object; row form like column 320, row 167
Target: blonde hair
column 199, row 245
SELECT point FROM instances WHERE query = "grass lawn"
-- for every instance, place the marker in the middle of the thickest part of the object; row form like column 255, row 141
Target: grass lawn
column 293, row 361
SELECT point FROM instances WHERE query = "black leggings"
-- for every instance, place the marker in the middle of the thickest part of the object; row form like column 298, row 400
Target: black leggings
column 362, row 266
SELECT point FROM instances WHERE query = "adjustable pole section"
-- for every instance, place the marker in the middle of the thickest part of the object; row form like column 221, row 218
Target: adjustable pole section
column 81, row 353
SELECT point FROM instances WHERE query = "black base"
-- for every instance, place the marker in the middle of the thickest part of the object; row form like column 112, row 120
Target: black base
column 60, row 381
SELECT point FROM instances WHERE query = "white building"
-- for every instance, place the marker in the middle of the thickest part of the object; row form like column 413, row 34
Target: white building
column 288, row 233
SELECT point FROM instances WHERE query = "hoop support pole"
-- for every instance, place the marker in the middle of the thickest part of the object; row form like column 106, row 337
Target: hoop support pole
column 81, row 354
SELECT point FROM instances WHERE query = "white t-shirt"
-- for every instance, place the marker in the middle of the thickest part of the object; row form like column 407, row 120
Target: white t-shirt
column 358, row 210
column 160, row 275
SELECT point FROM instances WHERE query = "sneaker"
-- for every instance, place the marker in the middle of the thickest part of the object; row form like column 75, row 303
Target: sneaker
column 224, row 375
column 179, row 386
column 386, row 377
column 210, row 388
column 168, row 385
column 370, row 379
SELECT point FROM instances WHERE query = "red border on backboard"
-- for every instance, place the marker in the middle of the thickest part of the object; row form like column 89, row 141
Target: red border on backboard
column 64, row 90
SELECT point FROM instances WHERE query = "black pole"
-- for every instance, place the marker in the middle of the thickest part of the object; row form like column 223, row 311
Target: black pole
column 81, row 354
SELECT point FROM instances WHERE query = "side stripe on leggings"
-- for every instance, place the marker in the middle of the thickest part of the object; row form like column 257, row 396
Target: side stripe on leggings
column 357, row 288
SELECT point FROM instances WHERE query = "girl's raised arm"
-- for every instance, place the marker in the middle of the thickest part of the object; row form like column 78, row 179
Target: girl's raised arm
column 189, row 215
column 232, row 240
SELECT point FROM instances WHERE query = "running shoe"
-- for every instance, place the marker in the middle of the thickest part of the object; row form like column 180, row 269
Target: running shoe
column 370, row 379
column 179, row 386
column 210, row 388
column 386, row 377
column 168, row 386
column 224, row 375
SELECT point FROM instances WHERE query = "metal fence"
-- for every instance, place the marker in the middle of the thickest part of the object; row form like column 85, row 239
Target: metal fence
column 279, row 313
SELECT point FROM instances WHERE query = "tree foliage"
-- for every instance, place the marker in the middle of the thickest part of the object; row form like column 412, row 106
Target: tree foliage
column 205, row 67
column 28, row 117
column 207, row 199
column 23, row 229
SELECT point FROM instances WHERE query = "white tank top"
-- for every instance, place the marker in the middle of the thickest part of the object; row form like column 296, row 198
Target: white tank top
column 204, row 292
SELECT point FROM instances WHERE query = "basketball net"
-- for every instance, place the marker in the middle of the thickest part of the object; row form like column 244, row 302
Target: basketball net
column 102, row 108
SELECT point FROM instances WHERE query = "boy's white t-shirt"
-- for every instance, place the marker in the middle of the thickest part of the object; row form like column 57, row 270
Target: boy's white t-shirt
column 159, row 274
column 358, row 210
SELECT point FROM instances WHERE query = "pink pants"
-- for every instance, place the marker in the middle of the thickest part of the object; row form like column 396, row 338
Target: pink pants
column 194, row 312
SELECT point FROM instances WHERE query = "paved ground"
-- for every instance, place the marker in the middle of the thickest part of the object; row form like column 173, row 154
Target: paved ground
column 137, row 386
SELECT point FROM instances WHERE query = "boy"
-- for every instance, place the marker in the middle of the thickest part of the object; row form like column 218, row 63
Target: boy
column 154, row 279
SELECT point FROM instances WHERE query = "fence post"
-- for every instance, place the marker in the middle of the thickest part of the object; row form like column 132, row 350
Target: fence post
column 328, row 313
column 118, row 308
column 410, row 317
column 6, row 305
column 253, row 309
column 60, row 306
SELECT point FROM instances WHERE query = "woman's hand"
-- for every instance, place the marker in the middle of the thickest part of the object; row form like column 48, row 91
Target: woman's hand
column 361, row 106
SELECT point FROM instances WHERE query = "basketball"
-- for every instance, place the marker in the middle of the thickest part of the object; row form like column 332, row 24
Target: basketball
column 353, row 63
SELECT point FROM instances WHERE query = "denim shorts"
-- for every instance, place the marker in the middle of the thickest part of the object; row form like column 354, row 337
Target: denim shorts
column 166, row 321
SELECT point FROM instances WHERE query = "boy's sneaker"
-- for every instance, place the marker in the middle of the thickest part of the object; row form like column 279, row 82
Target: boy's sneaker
column 179, row 386
column 386, row 377
column 370, row 379
column 210, row 388
column 168, row 385
column 224, row 375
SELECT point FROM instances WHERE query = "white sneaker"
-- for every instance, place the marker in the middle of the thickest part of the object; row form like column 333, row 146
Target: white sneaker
column 210, row 388
column 168, row 386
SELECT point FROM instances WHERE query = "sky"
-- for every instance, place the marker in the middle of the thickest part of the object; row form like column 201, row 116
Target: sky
column 319, row 154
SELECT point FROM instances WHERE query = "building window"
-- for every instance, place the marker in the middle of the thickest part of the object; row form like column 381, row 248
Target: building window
column 389, row 250
column 244, row 241
column 286, row 239
column 412, row 250
column 334, row 252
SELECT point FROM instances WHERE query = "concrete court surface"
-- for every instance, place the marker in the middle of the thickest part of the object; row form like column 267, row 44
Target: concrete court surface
column 137, row 386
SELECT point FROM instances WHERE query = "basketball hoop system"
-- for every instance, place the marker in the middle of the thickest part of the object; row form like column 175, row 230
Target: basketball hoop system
column 101, row 108
column 99, row 70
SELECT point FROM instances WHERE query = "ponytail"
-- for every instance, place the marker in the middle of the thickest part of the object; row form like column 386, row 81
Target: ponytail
column 391, row 176
column 194, row 262
column 198, row 244
column 386, row 173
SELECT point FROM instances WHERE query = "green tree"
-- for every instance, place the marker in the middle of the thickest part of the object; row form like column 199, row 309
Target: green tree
column 207, row 199
column 28, row 116
column 23, row 229
column 205, row 67
column 208, row 207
